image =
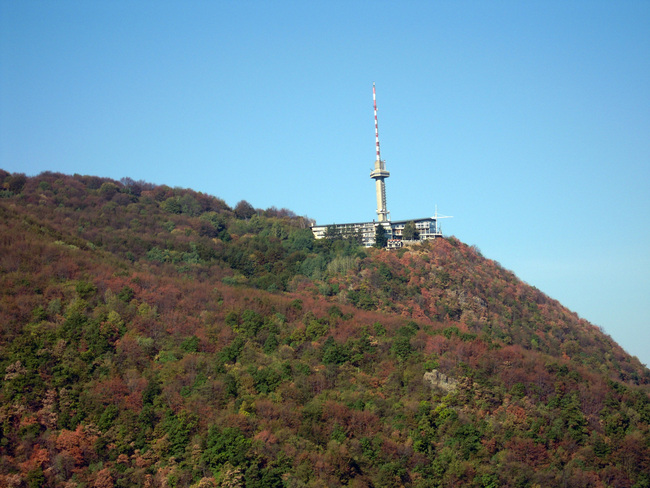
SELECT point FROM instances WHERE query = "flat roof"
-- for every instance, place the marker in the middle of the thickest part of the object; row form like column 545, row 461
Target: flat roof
column 389, row 222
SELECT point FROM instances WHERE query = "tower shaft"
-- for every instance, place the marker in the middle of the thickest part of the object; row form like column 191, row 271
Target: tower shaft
column 379, row 174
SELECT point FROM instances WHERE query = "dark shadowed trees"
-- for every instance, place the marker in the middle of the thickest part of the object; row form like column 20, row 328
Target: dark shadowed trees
column 410, row 233
column 381, row 239
column 244, row 210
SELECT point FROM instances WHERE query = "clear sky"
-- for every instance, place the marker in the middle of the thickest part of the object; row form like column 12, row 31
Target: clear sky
column 527, row 121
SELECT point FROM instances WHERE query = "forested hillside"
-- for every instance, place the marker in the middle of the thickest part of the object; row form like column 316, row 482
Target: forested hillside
column 153, row 336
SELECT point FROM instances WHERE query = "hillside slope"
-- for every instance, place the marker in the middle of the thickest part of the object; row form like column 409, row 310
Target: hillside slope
column 157, row 337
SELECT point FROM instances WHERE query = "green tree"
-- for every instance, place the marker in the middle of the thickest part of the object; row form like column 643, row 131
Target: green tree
column 410, row 233
column 333, row 233
column 189, row 205
column 228, row 445
column 172, row 205
column 334, row 353
column 179, row 429
column 266, row 379
column 402, row 348
column 381, row 239
column 36, row 478
column 108, row 190
column 251, row 323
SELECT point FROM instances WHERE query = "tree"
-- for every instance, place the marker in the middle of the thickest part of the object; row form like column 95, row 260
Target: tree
column 108, row 190
column 228, row 445
column 244, row 210
column 410, row 233
column 332, row 233
column 16, row 182
column 402, row 348
column 380, row 236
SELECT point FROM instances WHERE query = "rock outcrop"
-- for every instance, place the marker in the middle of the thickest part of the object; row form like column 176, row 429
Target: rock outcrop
column 436, row 379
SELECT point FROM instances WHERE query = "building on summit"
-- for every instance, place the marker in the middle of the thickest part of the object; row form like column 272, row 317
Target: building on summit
column 397, row 233
column 425, row 229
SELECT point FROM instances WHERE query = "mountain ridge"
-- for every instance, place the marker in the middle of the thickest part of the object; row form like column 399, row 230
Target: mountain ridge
column 148, row 330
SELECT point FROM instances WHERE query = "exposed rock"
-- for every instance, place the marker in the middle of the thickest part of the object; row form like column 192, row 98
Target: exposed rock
column 436, row 379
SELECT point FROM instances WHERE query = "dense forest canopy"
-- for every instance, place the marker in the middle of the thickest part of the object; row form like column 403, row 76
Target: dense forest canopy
column 154, row 336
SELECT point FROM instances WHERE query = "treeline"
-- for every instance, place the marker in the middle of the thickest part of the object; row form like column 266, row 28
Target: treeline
column 156, row 337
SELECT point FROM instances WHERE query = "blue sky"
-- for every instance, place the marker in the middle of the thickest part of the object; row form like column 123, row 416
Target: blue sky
column 529, row 122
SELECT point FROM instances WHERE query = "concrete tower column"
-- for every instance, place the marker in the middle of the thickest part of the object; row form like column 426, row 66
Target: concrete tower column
column 379, row 174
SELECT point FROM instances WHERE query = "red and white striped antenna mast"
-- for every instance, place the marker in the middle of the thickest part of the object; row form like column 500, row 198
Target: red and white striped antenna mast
column 374, row 102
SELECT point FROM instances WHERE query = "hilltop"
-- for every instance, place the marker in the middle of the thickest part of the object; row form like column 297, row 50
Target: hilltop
column 154, row 336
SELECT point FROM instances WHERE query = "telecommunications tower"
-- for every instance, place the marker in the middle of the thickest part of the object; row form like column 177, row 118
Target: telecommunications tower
column 379, row 174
